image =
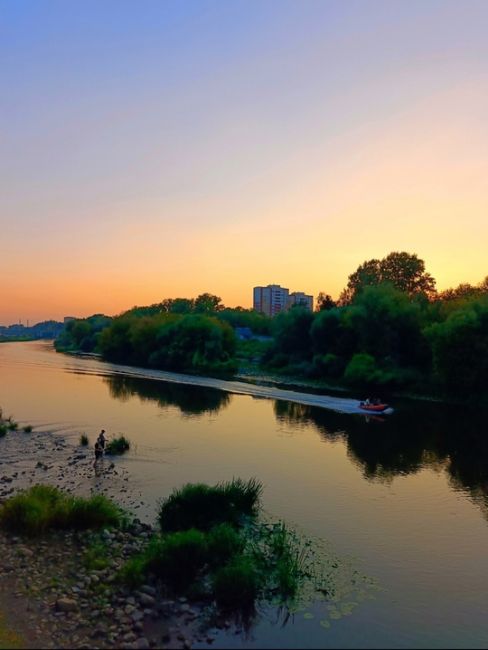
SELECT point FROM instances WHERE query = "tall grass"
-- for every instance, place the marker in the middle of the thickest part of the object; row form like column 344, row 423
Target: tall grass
column 3, row 430
column 43, row 507
column 84, row 440
column 27, row 428
column 117, row 446
column 202, row 506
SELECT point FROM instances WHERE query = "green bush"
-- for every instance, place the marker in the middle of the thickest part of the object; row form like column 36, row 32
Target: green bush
column 361, row 370
column 236, row 585
column 224, row 542
column 84, row 442
column 203, row 507
column 3, row 430
column 43, row 507
column 12, row 425
column 175, row 558
column 117, row 446
column 27, row 428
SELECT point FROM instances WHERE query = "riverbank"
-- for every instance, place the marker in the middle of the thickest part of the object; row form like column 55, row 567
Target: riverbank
column 51, row 594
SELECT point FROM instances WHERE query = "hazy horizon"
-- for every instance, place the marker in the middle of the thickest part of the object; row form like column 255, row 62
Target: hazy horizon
column 156, row 150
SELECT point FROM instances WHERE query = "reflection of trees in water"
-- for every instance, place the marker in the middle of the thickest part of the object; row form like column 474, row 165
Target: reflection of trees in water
column 191, row 400
column 417, row 435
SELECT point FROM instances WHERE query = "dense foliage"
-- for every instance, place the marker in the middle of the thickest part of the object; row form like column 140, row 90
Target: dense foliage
column 82, row 334
column 389, row 329
column 192, row 342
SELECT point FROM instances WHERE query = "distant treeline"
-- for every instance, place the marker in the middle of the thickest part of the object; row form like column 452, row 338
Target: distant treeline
column 389, row 329
column 48, row 329
column 192, row 335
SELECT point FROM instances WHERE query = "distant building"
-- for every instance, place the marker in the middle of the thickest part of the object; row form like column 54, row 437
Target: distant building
column 270, row 300
column 301, row 299
column 273, row 299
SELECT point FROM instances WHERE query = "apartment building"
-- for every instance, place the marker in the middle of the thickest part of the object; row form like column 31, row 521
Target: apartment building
column 273, row 299
column 300, row 298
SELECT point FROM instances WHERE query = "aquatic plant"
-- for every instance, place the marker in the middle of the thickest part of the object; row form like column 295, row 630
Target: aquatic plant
column 237, row 584
column 201, row 506
column 84, row 441
column 117, row 446
column 27, row 428
column 43, row 507
column 3, row 430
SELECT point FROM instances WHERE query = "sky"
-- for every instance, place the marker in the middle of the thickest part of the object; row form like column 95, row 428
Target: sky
column 158, row 149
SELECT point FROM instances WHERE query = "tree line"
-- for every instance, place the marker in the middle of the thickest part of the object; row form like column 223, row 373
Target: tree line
column 389, row 329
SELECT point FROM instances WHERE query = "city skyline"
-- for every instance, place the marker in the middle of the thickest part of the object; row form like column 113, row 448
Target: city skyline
column 158, row 150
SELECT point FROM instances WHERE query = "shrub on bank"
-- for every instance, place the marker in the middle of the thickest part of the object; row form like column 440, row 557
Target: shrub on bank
column 44, row 507
column 3, row 430
column 203, row 506
column 117, row 446
column 27, row 428
column 84, row 440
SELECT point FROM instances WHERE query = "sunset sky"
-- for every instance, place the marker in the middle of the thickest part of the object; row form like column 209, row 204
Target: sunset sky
column 167, row 148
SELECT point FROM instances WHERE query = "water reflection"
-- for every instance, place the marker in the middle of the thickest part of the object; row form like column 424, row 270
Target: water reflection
column 416, row 436
column 191, row 400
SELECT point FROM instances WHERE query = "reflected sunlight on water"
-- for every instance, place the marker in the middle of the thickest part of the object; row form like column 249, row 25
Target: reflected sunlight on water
column 404, row 498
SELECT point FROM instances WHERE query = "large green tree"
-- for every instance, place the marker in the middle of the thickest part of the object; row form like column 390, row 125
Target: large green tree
column 405, row 271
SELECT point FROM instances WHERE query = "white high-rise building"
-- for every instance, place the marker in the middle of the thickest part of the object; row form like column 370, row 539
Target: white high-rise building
column 270, row 300
column 273, row 299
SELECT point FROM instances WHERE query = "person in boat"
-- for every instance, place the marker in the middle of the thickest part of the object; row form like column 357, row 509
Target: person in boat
column 367, row 402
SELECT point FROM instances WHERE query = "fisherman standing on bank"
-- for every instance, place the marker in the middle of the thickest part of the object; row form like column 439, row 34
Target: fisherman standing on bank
column 101, row 439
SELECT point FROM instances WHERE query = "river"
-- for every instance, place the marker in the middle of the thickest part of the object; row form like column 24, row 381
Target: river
column 401, row 500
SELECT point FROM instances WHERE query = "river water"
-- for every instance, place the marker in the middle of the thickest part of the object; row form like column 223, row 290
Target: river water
column 401, row 501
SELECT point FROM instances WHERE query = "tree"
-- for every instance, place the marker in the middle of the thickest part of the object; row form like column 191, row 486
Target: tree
column 406, row 272
column 325, row 302
column 460, row 349
column 207, row 303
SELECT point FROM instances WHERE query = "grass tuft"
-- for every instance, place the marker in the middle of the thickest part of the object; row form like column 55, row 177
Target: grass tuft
column 202, row 506
column 84, row 441
column 117, row 445
column 3, row 430
column 27, row 428
column 43, row 507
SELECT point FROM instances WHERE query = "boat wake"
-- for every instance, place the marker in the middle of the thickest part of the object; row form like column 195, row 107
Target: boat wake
column 338, row 404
